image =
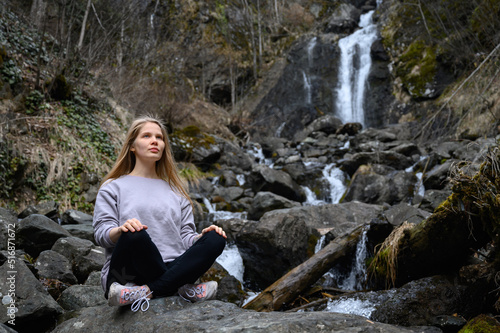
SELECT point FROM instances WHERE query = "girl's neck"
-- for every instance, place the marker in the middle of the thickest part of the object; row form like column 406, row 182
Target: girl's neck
column 145, row 172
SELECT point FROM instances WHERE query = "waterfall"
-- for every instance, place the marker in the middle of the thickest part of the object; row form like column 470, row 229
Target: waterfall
column 214, row 215
column 355, row 63
column 307, row 87
column 336, row 180
column 310, row 50
column 356, row 278
column 232, row 262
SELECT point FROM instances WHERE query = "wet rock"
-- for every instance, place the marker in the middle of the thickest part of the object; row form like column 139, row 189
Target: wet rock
column 327, row 124
column 37, row 233
column 420, row 301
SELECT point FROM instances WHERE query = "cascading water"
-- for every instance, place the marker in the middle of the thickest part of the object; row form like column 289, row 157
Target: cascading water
column 335, row 179
column 355, row 64
column 307, row 87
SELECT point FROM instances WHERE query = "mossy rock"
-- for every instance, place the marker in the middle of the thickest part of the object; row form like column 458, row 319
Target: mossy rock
column 417, row 68
column 60, row 89
column 481, row 324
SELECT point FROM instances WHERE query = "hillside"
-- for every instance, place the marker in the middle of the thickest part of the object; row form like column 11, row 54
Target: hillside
column 67, row 93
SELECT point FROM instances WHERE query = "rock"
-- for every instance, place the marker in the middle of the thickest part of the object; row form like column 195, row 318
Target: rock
column 72, row 216
column 48, row 208
column 350, row 129
column 37, row 233
column 402, row 212
column 482, row 323
column 433, row 198
column 94, row 279
column 171, row 314
column 230, row 289
column 419, row 302
column 271, row 247
column 34, row 310
column 327, row 124
column 234, row 157
column 53, row 265
column 229, row 193
column 388, row 158
column 264, row 178
column 437, row 177
column 83, row 255
column 266, row 201
column 83, row 231
column 82, row 296
column 344, row 20
column 377, row 185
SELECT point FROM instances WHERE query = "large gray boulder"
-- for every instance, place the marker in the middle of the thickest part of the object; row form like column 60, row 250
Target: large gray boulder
column 172, row 314
column 37, row 233
column 53, row 265
column 263, row 178
column 266, row 201
column 82, row 296
column 83, row 255
column 25, row 300
column 378, row 185
column 272, row 247
column 419, row 302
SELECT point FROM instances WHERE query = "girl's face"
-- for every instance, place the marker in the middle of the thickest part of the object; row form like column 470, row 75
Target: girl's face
column 149, row 143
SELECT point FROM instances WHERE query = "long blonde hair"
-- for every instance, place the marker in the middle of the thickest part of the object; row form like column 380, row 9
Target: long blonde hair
column 166, row 167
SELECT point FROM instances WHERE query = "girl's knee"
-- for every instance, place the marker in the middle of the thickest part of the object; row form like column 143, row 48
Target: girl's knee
column 136, row 237
column 216, row 240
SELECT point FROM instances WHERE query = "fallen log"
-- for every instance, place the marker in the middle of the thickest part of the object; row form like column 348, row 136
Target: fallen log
column 288, row 287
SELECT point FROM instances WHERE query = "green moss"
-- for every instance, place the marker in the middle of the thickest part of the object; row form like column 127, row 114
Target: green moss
column 417, row 68
column 481, row 324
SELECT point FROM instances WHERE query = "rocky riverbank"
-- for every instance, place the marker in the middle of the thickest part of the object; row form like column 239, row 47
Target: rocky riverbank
column 283, row 190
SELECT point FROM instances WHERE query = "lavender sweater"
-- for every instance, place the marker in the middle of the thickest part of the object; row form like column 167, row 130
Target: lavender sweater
column 168, row 215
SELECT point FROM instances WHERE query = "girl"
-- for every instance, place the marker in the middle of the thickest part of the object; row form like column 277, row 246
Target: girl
column 143, row 218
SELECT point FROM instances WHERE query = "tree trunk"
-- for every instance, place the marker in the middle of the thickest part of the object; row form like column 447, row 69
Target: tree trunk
column 301, row 277
column 84, row 23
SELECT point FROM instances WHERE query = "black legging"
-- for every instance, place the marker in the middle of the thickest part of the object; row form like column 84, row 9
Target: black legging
column 136, row 259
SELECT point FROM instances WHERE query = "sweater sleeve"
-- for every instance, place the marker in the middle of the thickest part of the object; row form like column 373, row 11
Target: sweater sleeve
column 188, row 228
column 105, row 216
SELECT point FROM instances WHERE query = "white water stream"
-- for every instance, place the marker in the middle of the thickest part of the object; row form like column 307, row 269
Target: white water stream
column 355, row 64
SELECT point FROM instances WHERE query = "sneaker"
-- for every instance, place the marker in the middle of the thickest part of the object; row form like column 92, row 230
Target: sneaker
column 198, row 292
column 120, row 295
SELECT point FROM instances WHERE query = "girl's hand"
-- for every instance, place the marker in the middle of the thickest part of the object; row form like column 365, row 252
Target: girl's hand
column 217, row 230
column 132, row 225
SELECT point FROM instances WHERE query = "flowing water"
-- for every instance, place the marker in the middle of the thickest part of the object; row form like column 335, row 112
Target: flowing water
column 355, row 64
